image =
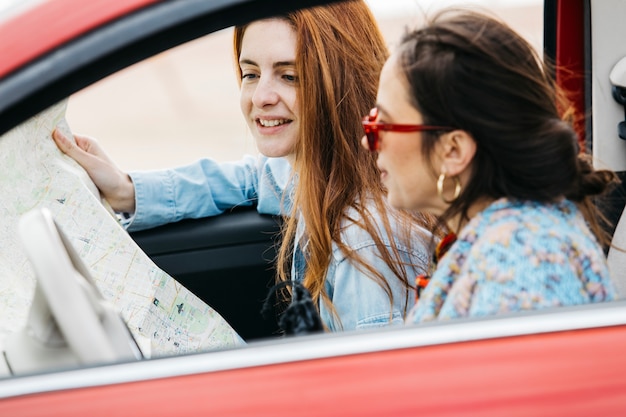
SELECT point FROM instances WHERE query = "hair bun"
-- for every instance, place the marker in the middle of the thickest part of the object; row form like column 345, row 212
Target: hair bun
column 591, row 182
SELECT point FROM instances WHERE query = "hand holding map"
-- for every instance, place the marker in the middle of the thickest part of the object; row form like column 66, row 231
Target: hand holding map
column 157, row 309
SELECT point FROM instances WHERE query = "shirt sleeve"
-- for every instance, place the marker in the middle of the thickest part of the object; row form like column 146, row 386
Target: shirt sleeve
column 208, row 188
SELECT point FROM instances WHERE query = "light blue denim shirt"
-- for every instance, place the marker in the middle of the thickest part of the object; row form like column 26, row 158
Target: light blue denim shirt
column 208, row 188
column 360, row 302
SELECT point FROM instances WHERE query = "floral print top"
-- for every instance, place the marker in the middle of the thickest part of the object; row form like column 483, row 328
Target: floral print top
column 517, row 255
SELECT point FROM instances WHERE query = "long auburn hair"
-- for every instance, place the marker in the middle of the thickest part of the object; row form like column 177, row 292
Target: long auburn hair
column 339, row 55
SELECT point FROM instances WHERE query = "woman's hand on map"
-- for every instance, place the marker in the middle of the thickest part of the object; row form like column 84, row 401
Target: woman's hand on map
column 114, row 184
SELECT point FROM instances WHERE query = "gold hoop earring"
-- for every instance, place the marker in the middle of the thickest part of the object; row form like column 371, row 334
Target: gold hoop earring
column 457, row 188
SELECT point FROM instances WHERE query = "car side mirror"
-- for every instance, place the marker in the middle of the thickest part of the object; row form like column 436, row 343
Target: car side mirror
column 618, row 82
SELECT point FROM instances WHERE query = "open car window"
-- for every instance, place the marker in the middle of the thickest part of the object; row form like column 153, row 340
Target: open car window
column 167, row 108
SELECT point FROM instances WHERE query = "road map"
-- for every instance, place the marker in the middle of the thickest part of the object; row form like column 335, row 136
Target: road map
column 164, row 317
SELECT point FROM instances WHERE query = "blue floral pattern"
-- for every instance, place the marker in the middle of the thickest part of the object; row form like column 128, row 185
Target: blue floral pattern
column 513, row 256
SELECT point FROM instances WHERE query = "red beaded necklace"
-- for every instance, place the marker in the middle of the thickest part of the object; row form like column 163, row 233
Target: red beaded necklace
column 440, row 250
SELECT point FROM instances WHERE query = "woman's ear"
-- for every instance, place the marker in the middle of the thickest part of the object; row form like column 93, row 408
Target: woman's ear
column 459, row 148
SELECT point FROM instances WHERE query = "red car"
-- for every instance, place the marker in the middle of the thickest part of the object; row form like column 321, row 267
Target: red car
column 561, row 362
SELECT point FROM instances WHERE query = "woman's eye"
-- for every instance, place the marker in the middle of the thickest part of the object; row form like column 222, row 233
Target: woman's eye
column 248, row 76
column 290, row 78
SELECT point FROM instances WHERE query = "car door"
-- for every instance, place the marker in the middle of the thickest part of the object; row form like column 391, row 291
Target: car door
column 560, row 362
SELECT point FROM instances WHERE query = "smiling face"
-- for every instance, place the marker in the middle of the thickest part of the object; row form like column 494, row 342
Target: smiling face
column 269, row 86
column 410, row 182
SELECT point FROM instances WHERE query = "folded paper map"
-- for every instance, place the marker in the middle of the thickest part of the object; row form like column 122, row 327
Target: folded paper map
column 35, row 173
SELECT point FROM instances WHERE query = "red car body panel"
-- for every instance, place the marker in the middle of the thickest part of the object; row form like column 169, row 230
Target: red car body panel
column 514, row 376
column 57, row 22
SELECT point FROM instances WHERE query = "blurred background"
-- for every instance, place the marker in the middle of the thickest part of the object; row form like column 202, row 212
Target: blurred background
column 183, row 104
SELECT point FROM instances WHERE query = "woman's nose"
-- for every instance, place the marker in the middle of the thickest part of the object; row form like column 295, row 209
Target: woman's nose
column 265, row 93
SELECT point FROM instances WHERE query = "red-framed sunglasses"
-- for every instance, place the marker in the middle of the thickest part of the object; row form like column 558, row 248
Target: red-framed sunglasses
column 372, row 127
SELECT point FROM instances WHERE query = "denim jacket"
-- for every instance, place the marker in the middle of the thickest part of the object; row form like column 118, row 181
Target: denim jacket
column 208, row 188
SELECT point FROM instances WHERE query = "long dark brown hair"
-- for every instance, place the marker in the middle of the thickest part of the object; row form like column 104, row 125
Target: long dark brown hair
column 473, row 72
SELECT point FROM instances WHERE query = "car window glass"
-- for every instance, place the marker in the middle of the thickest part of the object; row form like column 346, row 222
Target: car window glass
column 183, row 104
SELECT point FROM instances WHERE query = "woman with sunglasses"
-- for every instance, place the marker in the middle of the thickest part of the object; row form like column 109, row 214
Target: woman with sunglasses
column 472, row 128
column 306, row 78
